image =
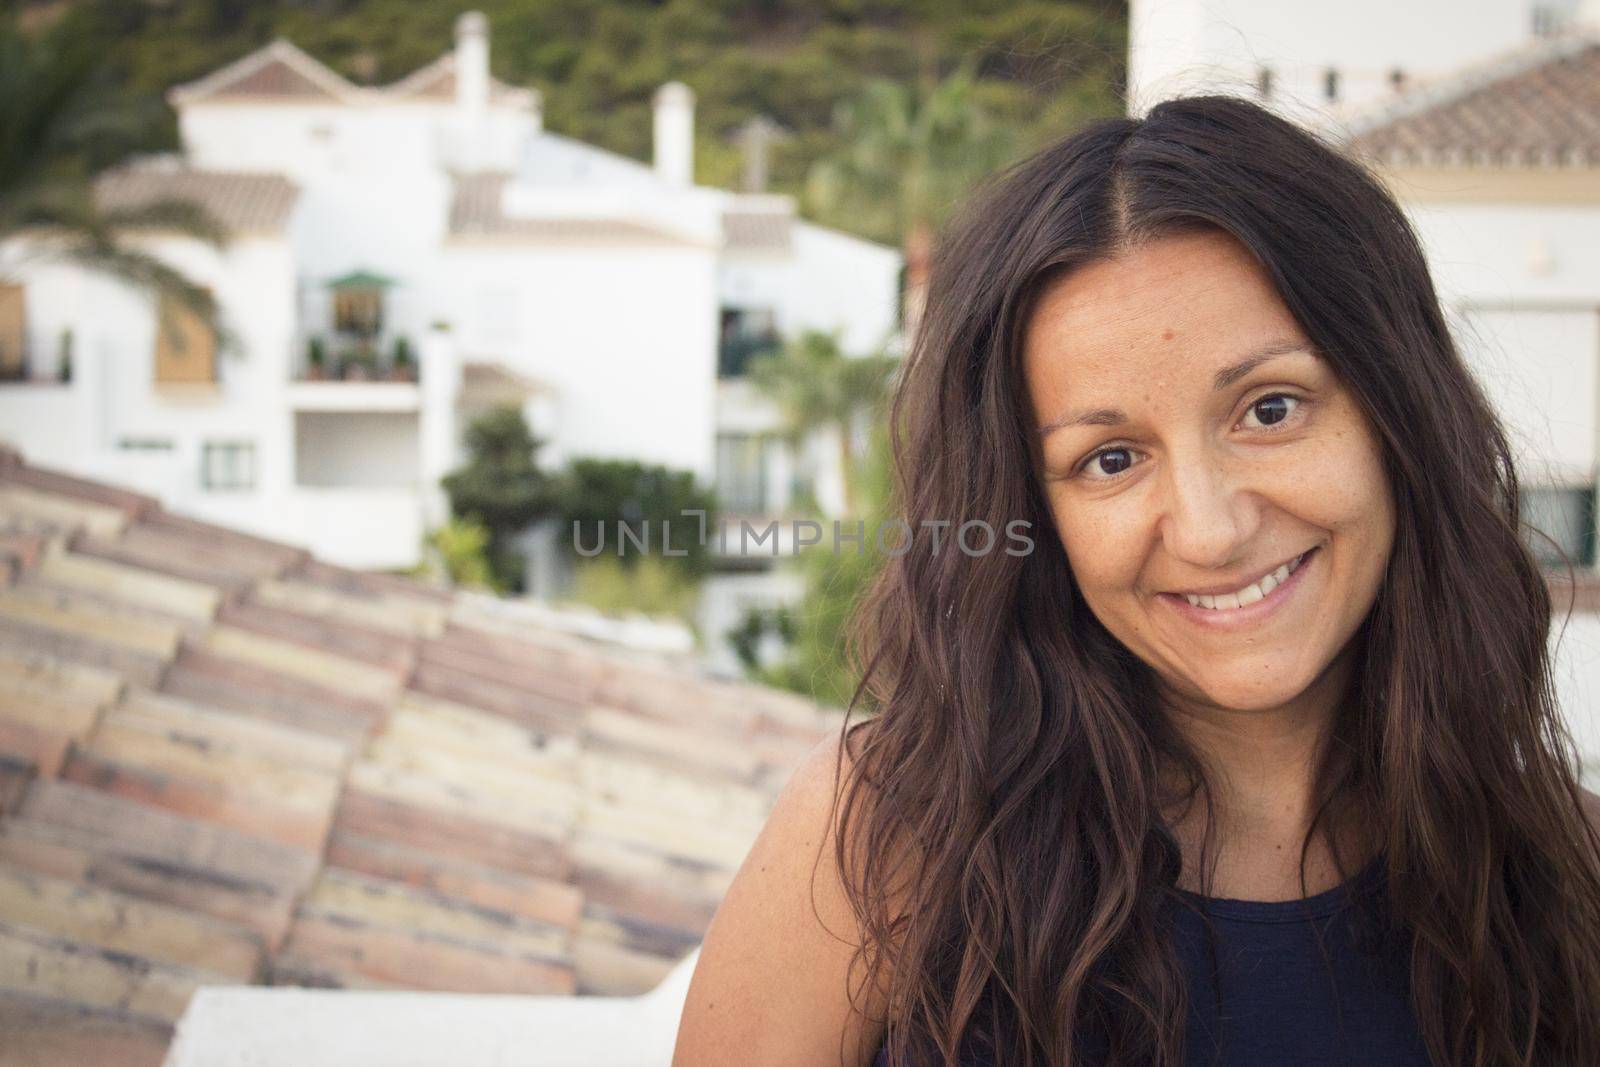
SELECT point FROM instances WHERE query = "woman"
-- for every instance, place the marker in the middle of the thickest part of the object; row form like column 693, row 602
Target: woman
column 1255, row 758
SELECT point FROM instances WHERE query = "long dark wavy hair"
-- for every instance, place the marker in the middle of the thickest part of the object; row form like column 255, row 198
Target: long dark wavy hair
column 1001, row 831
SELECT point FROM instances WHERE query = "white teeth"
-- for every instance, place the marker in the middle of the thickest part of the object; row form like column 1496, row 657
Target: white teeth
column 1250, row 593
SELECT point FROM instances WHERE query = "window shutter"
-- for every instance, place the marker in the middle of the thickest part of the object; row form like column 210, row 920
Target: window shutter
column 186, row 351
column 13, row 330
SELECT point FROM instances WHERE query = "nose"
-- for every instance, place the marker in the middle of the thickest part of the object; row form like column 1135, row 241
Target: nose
column 1209, row 513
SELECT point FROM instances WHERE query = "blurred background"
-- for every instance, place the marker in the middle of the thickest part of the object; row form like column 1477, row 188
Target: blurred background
column 336, row 335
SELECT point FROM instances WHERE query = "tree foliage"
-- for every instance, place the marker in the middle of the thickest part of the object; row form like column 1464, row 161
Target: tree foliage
column 817, row 386
column 816, row 661
column 501, row 487
column 64, row 122
column 1039, row 67
column 650, row 500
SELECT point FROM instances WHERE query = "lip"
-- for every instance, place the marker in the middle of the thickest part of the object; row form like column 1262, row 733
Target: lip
column 1249, row 614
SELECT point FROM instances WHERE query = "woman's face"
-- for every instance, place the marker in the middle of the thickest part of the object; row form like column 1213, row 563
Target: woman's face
column 1193, row 442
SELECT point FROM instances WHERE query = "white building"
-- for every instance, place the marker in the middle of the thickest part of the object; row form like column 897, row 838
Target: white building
column 435, row 220
column 1491, row 141
column 1325, row 59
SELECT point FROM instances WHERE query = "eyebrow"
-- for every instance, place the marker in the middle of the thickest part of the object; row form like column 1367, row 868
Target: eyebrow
column 1224, row 378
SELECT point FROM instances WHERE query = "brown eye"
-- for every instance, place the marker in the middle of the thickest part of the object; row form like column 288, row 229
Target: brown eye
column 1108, row 463
column 1274, row 408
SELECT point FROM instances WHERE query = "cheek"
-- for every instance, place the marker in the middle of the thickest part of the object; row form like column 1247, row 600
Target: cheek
column 1342, row 485
column 1100, row 545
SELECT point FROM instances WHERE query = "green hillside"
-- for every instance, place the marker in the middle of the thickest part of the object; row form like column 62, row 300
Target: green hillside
column 1045, row 66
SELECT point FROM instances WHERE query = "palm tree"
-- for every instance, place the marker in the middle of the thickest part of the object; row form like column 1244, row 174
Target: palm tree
column 62, row 125
column 817, row 386
column 909, row 156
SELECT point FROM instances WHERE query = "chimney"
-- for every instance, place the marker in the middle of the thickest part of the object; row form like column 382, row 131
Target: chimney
column 472, row 63
column 674, row 133
column 756, row 137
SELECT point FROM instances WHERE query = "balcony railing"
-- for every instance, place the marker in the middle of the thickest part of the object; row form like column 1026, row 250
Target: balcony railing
column 336, row 358
column 735, row 353
column 36, row 360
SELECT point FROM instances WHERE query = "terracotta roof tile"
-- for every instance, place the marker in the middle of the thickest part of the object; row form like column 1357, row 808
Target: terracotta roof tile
column 436, row 82
column 758, row 231
column 374, row 782
column 276, row 72
column 241, row 202
column 51, row 1030
column 261, row 693
column 1534, row 109
column 476, row 211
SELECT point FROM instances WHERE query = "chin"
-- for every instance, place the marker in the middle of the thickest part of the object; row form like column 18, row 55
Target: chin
column 1245, row 689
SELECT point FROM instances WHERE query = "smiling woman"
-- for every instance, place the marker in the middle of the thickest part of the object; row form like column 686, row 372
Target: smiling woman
column 1215, row 455
column 1257, row 760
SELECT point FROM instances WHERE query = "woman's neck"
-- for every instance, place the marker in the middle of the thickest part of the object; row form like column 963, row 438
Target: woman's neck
column 1262, row 767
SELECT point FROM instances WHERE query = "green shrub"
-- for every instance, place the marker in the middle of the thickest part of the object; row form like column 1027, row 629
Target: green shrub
column 501, row 488
column 462, row 547
column 597, row 494
column 651, row 585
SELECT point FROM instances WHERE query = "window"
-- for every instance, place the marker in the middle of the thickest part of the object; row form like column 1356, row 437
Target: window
column 358, row 311
column 228, row 465
column 1547, row 20
column 186, row 350
column 742, row 473
column 1565, row 517
column 144, row 444
column 13, row 332
column 746, row 334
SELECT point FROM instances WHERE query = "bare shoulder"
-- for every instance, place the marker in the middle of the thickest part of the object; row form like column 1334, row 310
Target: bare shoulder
column 772, row 982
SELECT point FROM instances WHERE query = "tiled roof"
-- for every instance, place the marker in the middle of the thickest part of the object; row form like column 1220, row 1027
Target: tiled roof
column 476, row 211
column 243, row 202
column 1536, row 108
column 223, row 761
column 763, row 231
column 278, row 71
column 487, row 382
column 437, row 82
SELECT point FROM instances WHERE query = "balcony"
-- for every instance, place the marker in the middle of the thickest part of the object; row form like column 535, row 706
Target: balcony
column 735, row 353
column 337, row 357
column 746, row 334
column 355, row 396
column 341, row 373
column 27, row 359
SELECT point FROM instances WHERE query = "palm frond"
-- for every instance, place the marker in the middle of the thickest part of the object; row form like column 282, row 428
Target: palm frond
column 176, row 215
column 63, row 124
column 154, row 276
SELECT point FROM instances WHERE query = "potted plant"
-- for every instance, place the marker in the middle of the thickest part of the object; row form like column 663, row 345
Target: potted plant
column 316, row 360
column 403, row 364
column 359, row 364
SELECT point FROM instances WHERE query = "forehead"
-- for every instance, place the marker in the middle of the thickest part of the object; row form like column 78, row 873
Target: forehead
column 1175, row 305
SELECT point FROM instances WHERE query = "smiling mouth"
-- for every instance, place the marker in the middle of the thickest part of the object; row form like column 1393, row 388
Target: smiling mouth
column 1259, row 589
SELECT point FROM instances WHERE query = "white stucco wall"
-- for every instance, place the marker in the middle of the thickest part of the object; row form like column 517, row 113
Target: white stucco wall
column 306, row 141
column 833, row 280
column 1522, row 282
column 626, row 336
column 115, row 398
column 356, row 449
column 1576, row 671
column 1185, row 46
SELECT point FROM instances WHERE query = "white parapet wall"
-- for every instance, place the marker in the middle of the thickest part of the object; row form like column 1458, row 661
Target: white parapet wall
column 260, row 1026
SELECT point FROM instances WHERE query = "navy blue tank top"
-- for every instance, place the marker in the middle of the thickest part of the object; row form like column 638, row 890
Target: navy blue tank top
column 1281, row 1002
